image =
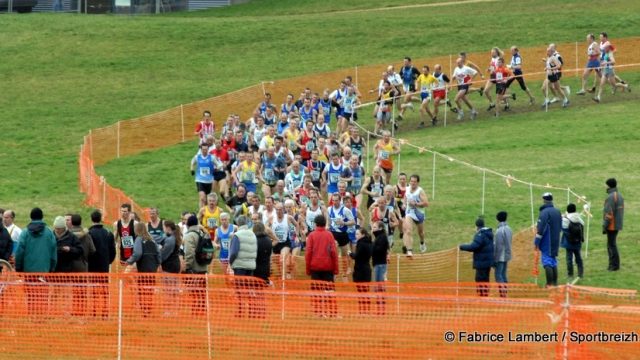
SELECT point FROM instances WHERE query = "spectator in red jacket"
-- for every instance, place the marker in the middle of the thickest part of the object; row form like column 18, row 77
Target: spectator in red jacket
column 321, row 259
column 321, row 253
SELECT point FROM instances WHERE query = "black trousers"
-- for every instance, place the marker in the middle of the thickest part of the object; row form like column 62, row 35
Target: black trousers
column 612, row 249
column 574, row 253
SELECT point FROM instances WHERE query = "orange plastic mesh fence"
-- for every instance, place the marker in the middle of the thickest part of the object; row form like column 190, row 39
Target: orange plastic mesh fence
column 162, row 316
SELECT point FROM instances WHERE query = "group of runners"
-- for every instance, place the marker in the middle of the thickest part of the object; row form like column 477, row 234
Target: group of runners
column 287, row 164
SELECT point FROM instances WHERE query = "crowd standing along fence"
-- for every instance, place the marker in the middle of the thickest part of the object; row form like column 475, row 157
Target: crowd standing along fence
column 163, row 316
column 176, row 125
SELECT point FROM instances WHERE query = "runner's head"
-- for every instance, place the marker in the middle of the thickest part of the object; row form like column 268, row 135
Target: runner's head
column 153, row 214
column 224, row 219
column 212, row 200
column 437, row 69
column 402, row 179
column 320, row 119
column 206, row 115
column 347, row 200
column 353, row 161
column 460, row 62
column 125, row 209
column 425, row 69
column 335, row 158
column 204, row 149
column 295, row 167
column 514, row 50
column 241, row 191
column 336, row 198
column 414, row 180
column 342, row 187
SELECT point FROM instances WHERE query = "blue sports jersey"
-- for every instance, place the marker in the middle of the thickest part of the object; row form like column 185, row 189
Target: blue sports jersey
column 326, row 109
column 333, row 174
column 204, row 168
column 224, row 239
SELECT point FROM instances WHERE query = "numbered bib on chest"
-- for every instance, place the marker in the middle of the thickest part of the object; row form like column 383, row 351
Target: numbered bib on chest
column 281, row 234
column 205, row 171
column 309, row 146
column 269, row 174
column 224, row 244
column 315, row 175
column 356, row 151
column 127, row 242
column 499, row 76
column 357, row 182
column 384, row 155
column 212, row 223
column 249, row 176
column 334, row 178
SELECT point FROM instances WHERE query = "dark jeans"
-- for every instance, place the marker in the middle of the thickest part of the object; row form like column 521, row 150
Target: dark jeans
column 242, row 272
column 571, row 253
column 501, row 277
column 482, row 276
column 612, row 249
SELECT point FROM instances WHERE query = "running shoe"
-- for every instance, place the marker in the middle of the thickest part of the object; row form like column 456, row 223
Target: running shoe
column 454, row 110
column 491, row 106
column 567, row 89
column 513, row 96
column 596, row 99
column 421, row 125
column 434, row 122
column 581, row 92
column 409, row 253
column 474, row 114
column 565, row 103
column 553, row 101
column 460, row 115
column 507, row 107
column 423, row 248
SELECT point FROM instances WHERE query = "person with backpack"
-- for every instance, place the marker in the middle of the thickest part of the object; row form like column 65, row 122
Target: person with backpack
column 196, row 265
column 572, row 238
column 147, row 258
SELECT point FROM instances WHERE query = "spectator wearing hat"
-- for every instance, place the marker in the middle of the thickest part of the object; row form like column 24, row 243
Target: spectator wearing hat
column 482, row 249
column 502, row 250
column 69, row 247
column 612, row 218
column 36, row 253
column 547, row 239
column 572, row 238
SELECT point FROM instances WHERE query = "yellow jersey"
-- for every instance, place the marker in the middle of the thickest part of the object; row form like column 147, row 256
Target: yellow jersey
column 426, row 82
column 384, row 155
column 211, row 219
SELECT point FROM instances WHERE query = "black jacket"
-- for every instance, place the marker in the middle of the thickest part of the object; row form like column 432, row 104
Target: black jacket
column 6, row 244
column 263, row 258
column 362, row 257
column 66, row 258
column 482, row 249
column 380, row 248
column 105, row 245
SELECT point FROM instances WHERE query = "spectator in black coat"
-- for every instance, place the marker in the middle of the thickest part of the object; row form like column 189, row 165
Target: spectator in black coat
column 362, row 268
column 6, row 244
column 105, row 244
column 482, row 249
column 265, row 247
column 99, row 262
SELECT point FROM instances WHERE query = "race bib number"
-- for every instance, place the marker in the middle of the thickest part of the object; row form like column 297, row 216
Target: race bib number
column 205, row 171
column 224, row 244
column 249, row 176
column 292, row 145
column 334, row 178
column 212, row 223
column 269, row 174
column 127, row 242
column 384, row 155
column 281, row 235
column 334, row 223
column 357, row 182
column 499, row 76
column 309, row 146
column 315, row 175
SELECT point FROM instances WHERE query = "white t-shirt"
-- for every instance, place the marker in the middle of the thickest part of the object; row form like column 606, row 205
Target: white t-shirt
column 395, row 79
column 463, row 74
column 14, row 231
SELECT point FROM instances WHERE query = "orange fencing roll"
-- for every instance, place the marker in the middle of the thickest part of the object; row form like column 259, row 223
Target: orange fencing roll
column 163, row 316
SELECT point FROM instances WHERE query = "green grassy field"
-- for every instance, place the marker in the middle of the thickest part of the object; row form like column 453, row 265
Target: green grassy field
column 64, row 74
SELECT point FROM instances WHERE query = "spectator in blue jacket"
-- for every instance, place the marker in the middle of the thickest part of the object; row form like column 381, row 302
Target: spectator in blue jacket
column 548, row 238
column 482, row 249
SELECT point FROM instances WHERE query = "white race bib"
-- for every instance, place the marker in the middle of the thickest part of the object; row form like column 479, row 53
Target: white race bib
column 127, row 242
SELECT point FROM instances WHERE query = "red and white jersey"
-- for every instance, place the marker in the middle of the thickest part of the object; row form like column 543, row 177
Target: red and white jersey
column 464, row 74
column 205, row 129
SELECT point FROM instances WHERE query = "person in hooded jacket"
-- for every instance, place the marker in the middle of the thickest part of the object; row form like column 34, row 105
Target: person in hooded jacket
column 572, row 238
column 482, row 249
column 36, row 253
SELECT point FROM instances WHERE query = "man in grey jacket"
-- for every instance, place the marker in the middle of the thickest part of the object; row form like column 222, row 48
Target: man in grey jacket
column 502, row 250
column 243, row 249
column 613, row 215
